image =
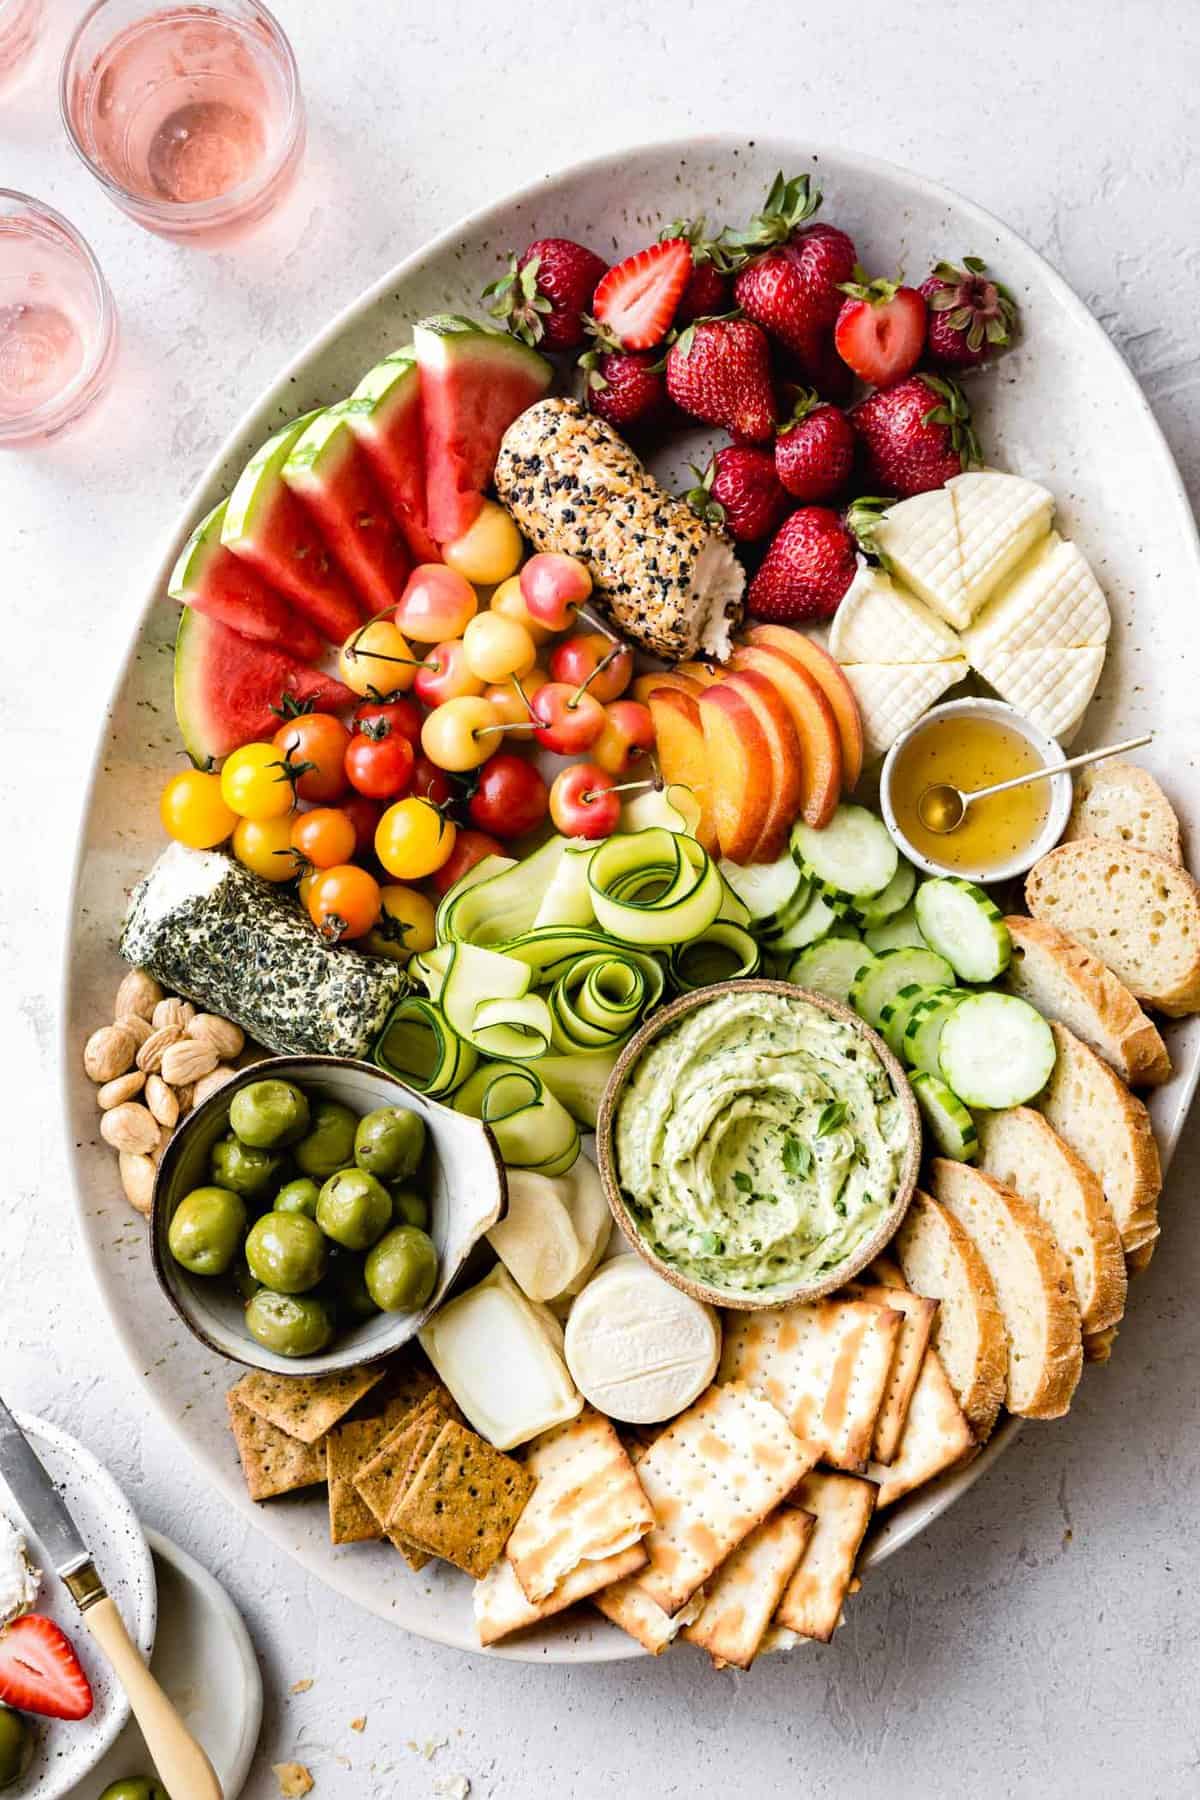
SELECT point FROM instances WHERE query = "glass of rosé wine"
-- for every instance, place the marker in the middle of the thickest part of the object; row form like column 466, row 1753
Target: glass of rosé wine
column 58, row 326
column 19, row 23
column 189, row 116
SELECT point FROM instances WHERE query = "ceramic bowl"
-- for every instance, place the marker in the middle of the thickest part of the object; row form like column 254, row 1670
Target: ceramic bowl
column 1050, row 752
column 797, row 1291
column 468, row 1195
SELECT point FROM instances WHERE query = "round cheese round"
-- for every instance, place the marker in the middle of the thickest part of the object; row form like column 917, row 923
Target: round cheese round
column 638, row 1348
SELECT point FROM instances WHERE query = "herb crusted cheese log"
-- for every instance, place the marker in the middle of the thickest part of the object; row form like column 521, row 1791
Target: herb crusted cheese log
column 573, row 485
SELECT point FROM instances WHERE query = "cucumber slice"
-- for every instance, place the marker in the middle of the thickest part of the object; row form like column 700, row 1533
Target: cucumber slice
column 896, row 969
column 901, row 932
column 898, row 1012
column 958, row 919
column 923, row 1032
column 817, row 920
column 950, row 1124
column 768, row 889
column 851, row 858
column 787, row 918
column 830, row 967
column 894, row 898
column 996, row 1050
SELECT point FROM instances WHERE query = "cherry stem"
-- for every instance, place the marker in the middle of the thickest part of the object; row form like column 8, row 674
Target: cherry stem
column 590, row 618
column 625, row 787
column 517, row 725
column 609, row 656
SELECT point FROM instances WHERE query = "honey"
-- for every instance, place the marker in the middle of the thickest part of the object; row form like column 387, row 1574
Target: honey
column 971, row 752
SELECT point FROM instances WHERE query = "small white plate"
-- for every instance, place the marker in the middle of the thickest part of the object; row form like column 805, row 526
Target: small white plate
column 68, row 1750
column 206, row 1663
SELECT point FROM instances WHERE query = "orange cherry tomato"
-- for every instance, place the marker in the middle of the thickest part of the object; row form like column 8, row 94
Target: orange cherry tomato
column 344, row 902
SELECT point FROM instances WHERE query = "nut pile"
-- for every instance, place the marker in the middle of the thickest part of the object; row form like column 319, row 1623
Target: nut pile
column 157, row 1060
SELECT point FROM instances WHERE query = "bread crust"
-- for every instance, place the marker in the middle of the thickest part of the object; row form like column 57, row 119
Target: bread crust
column 1160, row 832
column 1105, row 1013
column 983, row 1395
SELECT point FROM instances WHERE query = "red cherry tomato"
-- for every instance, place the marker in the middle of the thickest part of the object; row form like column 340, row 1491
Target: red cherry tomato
column 582, row 802
column 470, row 847
column 364, row 815
column 344, row 902
column 324, row 837
column 568, row 721
column 429, row 782
column 320, row 740
column 379, row 762
column 404, row 716
column 606, row 666
column 511, row 798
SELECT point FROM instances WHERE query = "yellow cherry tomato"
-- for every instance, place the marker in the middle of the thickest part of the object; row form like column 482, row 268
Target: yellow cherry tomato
column 193, row 811
column 495, row 647
column 376, row 659
column 489, row 550
column 510, row 601
column 254, row 783
column 504, row 697
column 413, row 839
column 264, row 846
column 406, row 924
column 456, row 736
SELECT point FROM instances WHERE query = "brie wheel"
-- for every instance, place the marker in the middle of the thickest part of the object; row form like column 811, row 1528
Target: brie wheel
column 639, row 1349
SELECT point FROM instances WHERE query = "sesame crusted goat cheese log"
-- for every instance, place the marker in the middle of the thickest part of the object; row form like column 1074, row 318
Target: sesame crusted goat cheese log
column 573, row 485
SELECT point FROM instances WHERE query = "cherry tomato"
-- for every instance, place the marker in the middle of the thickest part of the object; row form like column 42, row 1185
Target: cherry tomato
column 431, row 783
column 377, row 660
column 319, row 740
column 489, row 549
column 602, row 664
column 511, row 797
column 264, row 846
column 343, row 902
column 509, row 600
column 495, row 647
column 461, row 734
column 554, row 587
column 402, row 715
column 255, row 784
column 627, row 734
column 364, row 815
column 324, row 837
column 379, row 762
column 582, row 802
column 405, row 926
column 413, row 839
column 193, row 810
column 568, row 721
column 470, row 847
column 436, row 604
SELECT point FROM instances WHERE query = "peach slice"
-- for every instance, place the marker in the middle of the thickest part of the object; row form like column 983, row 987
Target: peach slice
column 702, row 672
column 682, row 756
column 826, row 672
column 740, row 771
column 645, row 685
column 816, row 727
column 787, row 760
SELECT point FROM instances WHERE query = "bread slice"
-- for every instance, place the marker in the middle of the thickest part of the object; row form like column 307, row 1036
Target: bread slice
column 1066, row 982
column 1093, row 1111
column 1033, row 1287
column 1026, row 1154
column 1137, row 912
column 940, row 1260
column 1119, row 801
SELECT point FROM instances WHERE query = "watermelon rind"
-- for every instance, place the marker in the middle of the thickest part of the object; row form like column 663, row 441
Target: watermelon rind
column 384, row 412
column 327, row 469
column 227, row 588
column 226, row 687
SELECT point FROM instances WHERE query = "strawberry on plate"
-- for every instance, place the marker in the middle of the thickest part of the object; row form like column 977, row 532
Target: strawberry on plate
column 809, row 564
column 719, row 370
column 544, row 294
column 636, row 301
column 915, row 436
column 40, row 1672
column 880, row 330
column 626, row 387
column 792, row 279
column 741, row 491
column 971, row 317
column 814, row 449
column 709, row 285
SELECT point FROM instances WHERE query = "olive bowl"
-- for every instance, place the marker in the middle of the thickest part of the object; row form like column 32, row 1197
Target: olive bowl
column 786, row 1294
column 467, row 1193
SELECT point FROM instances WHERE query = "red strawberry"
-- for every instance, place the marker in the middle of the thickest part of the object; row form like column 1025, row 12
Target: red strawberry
column 814, row 451
column 720, row 371
column 545, row 293
column 40, row 1672
column 915, row 436
column 741, row 491
column 791, row 288
column 628, row 388
column 971, row 317
column 880, row 331
column 708, row 286
column 809, row 564
column 636, row 300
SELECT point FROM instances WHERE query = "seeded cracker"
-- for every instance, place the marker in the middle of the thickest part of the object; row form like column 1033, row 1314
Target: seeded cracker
column 380, row 1482
column 464, row 1500
column 272, row 1462
column 748, row 1586
column 305, row 1406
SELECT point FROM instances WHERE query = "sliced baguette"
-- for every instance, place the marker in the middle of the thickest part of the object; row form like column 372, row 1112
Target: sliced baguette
column 1066, row 982
column 1033, row 1287
column 940, row 1260
column 1138, row 913
column 1093, row 1111
column 1119, row 801
column 1022, row 1150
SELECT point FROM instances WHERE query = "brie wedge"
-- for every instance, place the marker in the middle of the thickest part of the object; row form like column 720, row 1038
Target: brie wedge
column 891, row 696
column 1052, row 686
column 638, row 1348
column 953, row 546
column 1050, row 601
column 878, row 622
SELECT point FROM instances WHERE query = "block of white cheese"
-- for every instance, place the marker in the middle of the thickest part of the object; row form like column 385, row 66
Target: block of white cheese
column 954, row 546
column 878, row 622
column 919, row 538
column 638, row 1348
column 1050, row 686
column 535, row 1240
column 891, row 696
column 1051, row 600
column 19, row 1580
column 500, row 1357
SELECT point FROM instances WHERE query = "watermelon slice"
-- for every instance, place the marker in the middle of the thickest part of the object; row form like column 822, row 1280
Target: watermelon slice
column 474, row 382
column 267, row 526
column 384, row 413
column 328, row 472
column 226, row 687
column 221, row 585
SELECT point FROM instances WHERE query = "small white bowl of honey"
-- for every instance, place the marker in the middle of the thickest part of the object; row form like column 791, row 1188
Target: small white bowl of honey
column 971, row 744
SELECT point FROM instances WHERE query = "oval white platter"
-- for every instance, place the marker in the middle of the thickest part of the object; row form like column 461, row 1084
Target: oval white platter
column 1063, row 408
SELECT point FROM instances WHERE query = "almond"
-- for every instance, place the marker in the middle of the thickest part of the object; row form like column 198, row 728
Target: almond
column 137, row 1027
column 131, row 1128
column 122, row 1087
column 226, row 1038
column 150, row 1056
column 139, row 993
column 162, row 1100
column 208, row 1084
column 186, row 1060
column 137, row 1178
column 109, row 1052
column 178, row 1013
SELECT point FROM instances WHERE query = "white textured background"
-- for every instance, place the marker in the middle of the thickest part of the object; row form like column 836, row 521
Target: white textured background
column 1041, row 1640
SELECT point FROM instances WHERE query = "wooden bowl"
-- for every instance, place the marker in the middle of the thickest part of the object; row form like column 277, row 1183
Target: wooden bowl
column 784, row 1295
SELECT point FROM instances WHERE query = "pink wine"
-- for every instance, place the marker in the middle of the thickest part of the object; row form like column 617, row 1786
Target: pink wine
column 19, row 22
column 56, row 322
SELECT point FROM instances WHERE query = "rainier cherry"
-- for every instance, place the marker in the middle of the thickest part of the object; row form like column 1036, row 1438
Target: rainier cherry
column 592, row 659
column 567, row 721
column 554, row 587
column 628, row 734
column 583, row 802
column 436, row 603
column 446, row 674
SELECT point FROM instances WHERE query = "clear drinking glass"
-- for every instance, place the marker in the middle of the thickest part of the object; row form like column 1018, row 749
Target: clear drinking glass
column 189, row 116
column 19, row 22
column 58, row 326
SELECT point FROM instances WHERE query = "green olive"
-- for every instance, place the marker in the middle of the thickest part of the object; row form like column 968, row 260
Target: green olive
column 389, row 1143
column 16, row 1746
column 410, row 1208
column 270, row 1114
column 401, row 1271
column 245, row 1284
column 353, row 1301
column 247, row 1171
column 328, row 1144
column 135, row 1787
column 354, row 1209
column 286, row 1252
column 289, row 1324
column 206, row 1229
column 299, row 1196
